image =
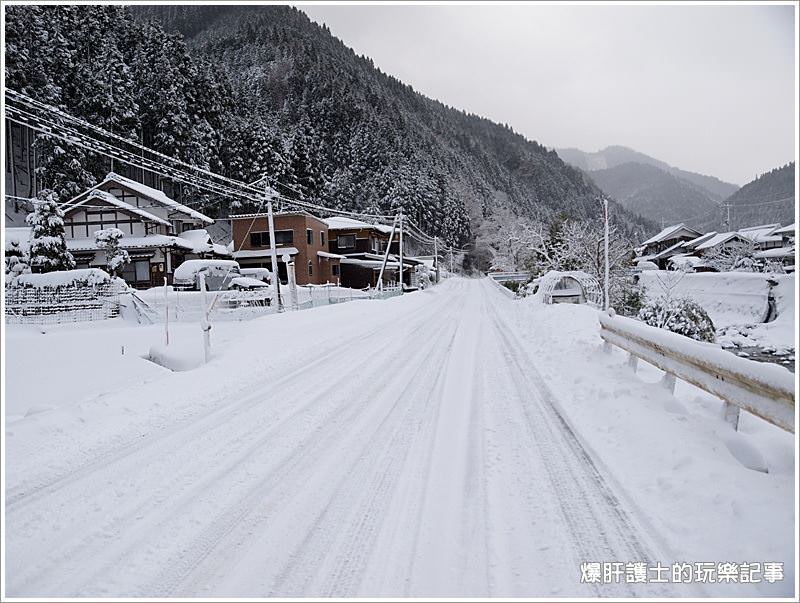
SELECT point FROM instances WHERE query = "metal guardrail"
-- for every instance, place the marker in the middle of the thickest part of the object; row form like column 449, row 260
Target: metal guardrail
column 520, row 277
column 503, row 289
column 766, row 391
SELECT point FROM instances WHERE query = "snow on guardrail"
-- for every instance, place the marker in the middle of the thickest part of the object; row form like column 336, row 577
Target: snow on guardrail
column 505, row 290
column 765, row 390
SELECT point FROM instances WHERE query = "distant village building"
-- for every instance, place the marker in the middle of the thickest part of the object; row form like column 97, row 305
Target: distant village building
column 678, row 246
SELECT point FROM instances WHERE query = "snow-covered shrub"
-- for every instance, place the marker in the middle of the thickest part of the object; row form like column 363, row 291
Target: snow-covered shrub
column 116, row 258
column 16, row 260
column 82, row 277
column 679, row 315
column 48, row 250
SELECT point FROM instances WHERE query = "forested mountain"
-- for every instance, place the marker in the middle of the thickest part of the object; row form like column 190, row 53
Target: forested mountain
column 613, row 156
column 656, row 194
column 767, row 199
column 251, row 91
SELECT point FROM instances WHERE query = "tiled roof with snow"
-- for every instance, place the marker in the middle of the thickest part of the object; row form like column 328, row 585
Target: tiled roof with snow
column 343, row 223
column 701, row 239
column 112, row 200
column 152, row 240
column 790, row 229
column 758, row 233
column 718, row 239
column 263, row 253
column 155, row 195
column 667, row 232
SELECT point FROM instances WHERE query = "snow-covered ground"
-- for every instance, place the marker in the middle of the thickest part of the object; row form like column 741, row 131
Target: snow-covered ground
column 737, row 303
column 447, row 442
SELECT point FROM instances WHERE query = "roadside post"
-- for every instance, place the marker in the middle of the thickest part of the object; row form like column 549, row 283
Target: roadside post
column 292, row 280
column 205, row 323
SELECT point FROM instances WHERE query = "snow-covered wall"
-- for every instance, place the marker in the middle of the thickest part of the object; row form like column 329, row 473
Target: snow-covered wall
column 730, row 298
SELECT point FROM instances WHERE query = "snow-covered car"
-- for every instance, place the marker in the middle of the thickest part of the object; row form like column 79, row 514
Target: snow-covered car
column 219, row 274
column 247, row 283
column 261, row 274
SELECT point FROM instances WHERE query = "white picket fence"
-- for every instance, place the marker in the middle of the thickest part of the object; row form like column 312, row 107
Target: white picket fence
column 187, row 306
column 764, row 390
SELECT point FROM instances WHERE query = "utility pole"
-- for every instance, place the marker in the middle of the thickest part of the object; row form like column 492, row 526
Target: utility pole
column 451, row 260
column 436, row 257
column 379, row 284
column 728, row 224
column 605, row 215
column 276, row 281
column 401, row 252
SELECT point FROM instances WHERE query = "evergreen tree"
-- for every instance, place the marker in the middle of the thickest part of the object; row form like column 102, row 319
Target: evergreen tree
column 48, row 250
column 108, row 239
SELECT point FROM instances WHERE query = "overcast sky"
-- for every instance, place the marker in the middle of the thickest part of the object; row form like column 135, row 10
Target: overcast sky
column 705, row 88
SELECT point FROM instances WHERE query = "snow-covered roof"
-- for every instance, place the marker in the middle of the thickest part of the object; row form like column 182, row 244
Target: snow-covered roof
column 701, row 239
column 789, row 230
column 343, row 223
column 325, row 254
column 669, row 231
column 154, row 194
column 369, row 263
column 95, row 194
column 666, row 252
column 758, row 234
column 718, row 239
column 263, row 253
column 777, row 252
column 151, row 240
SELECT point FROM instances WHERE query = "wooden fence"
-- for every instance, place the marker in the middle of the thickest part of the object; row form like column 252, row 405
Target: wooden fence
column 764, row 390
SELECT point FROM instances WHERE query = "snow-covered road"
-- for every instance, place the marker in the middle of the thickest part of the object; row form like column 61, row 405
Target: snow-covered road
column 418, row 452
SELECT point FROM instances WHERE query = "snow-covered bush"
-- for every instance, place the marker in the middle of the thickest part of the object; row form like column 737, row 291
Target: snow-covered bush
column 679, row 315
column 48, row 251
column 82, row 277
column 16, row 260
column 736, row 256
column 116, row 258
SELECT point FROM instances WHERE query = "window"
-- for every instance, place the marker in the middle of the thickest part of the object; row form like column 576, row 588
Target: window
column 309, row 236
column 137, row 271
column 187, row 226
column 310, row 268
column 322, row 238
column 335, row 269
column 346, row 241
column 259, row 239
column 283, row 237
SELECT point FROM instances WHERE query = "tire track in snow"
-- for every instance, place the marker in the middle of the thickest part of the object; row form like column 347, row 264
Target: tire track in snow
column 600, row 528
column 245, row 518
column 111, row 531
column 343, row 573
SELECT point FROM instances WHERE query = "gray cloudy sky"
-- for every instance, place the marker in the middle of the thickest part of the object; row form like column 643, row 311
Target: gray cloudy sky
column 704, row 88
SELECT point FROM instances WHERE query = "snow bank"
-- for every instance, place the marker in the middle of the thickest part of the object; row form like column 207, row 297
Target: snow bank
column 729, row 298
column 679, row 463
column 779, row 335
